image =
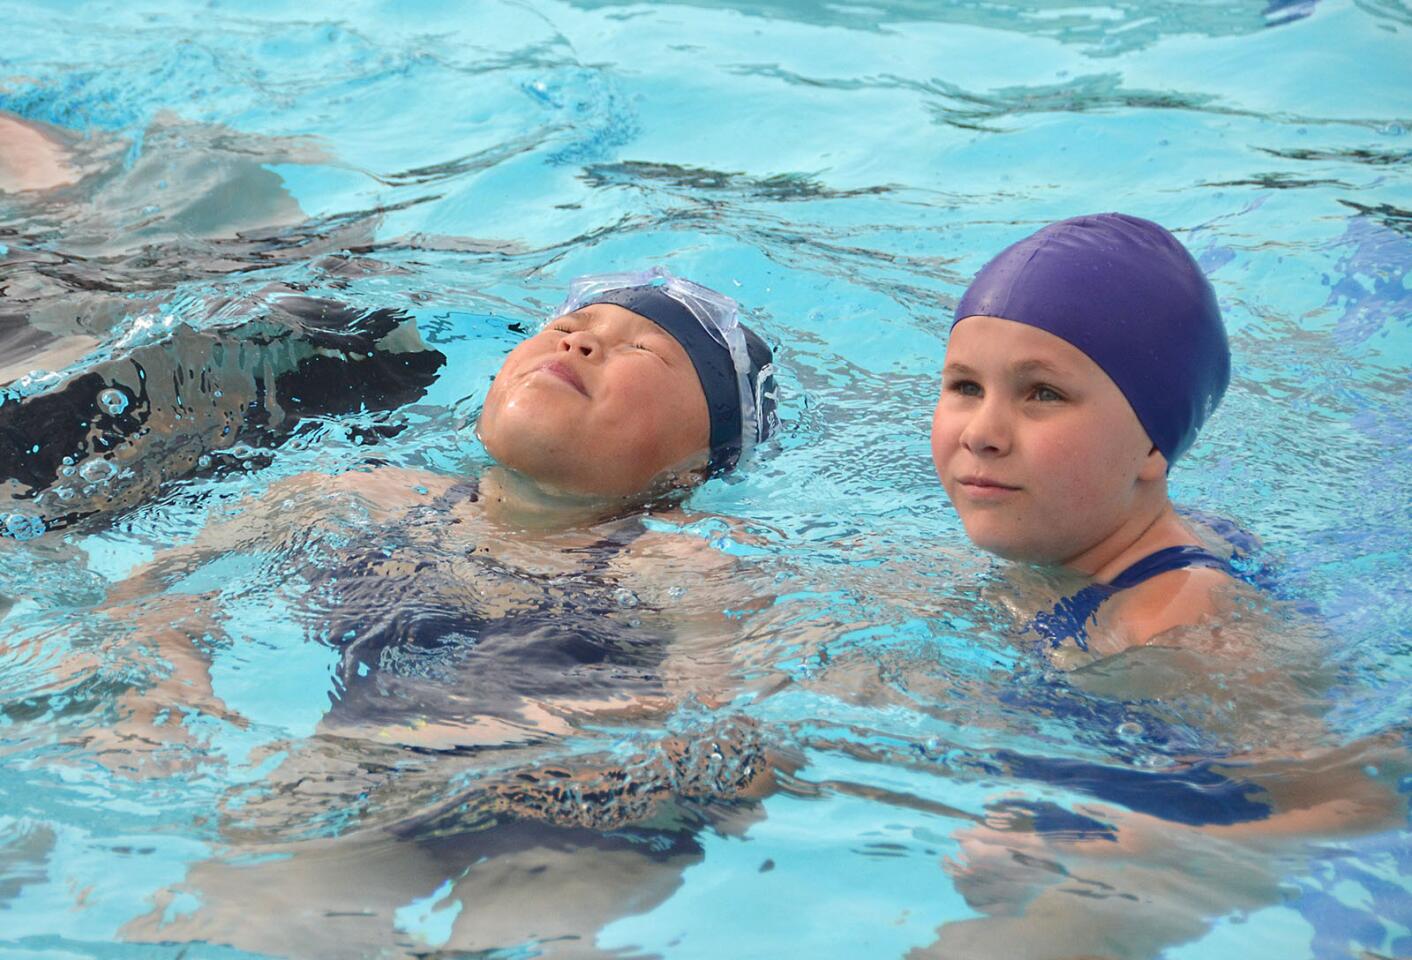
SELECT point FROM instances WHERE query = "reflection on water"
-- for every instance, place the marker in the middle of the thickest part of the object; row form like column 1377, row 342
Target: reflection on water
column 1104, row 30
column 260, row 659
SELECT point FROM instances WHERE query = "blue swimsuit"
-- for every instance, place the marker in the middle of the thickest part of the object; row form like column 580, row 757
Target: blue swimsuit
column 420, row 645
column 1194, row 794
column 1071, row 616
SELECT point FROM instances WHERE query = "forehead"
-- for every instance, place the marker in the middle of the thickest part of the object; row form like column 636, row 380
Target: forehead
column 995, row 342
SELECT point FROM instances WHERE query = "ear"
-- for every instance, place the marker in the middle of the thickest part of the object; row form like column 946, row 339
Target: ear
column 1154, row 466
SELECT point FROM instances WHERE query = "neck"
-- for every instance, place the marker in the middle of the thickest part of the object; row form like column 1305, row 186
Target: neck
column 1143, row 534
column 514, row 499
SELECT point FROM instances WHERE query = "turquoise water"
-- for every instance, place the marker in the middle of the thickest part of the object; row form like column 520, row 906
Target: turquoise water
column 841, row 169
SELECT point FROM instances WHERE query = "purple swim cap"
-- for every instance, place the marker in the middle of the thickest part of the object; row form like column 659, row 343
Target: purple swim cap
column 1125, row 292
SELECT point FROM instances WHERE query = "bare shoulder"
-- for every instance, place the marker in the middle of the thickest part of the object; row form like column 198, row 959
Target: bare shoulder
column 381, row 486
column 31, row 159
column 306, row 500
column 1168, row 601
column 677, row 553
column 693, row 543
column 696, row 563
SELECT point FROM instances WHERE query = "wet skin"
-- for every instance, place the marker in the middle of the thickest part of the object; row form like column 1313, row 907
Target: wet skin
column 1045, row 462
column 1038, row 449
column 31, row 159
column 602, row 402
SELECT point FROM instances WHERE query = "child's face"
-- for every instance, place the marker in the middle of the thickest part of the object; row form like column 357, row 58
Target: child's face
column 1037, row 448
column 602, row 401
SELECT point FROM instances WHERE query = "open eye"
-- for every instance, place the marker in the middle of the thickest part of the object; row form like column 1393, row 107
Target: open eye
column 1044, row 393
column 965, row 388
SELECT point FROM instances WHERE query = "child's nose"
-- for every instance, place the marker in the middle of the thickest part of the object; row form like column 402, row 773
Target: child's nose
column 987, row 432
column 582, row 342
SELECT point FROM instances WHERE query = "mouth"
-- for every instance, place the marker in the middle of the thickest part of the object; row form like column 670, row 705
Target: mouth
column 985, row 488
column 564, row 372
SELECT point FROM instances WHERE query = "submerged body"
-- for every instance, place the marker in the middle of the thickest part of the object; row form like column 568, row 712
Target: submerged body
column 501, row 693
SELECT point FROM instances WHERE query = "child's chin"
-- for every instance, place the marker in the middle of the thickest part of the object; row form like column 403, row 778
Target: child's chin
column 1006, row 545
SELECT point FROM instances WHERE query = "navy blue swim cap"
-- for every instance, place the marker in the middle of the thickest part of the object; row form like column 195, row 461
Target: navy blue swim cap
column 1129, row 295
column 731, row 361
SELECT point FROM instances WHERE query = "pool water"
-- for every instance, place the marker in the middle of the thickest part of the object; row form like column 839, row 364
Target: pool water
column 842, row 169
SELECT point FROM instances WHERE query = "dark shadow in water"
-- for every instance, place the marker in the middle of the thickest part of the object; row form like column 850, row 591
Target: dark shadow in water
column 109, row 435
column 781, row 187
column 1373, row 158
column 107, row 259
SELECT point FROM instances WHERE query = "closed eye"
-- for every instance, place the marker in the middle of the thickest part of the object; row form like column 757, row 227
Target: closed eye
column 652, row 345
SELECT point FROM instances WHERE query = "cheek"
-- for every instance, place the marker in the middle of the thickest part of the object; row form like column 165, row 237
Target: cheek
column 516, row 362
column 1067, row 459
column 648, row 419
column 1089, row 467
column 493, row 411
column 516, row 417
column 943, row 436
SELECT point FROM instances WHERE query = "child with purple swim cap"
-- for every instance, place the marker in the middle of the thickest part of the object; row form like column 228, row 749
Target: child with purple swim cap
column 1082, row 362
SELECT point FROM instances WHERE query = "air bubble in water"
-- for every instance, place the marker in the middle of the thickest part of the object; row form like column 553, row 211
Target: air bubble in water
column 625, row 598
column 677, row 592
column 203, row 461
column 96, row 471
column 242, row 451
column 21, row 527
column 1130, row 730
column 112, row 401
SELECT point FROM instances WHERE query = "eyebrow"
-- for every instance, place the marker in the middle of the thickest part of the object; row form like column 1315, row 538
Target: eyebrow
column 1023, row 367
column 1041, row 366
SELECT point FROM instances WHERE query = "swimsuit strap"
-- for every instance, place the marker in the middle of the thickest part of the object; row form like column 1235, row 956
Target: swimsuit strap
column 1071, row 615
column 1164, row 561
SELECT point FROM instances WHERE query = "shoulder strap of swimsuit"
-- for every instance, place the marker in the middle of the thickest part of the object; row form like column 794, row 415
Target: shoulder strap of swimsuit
column 1164, row 561
column 1071, row 615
